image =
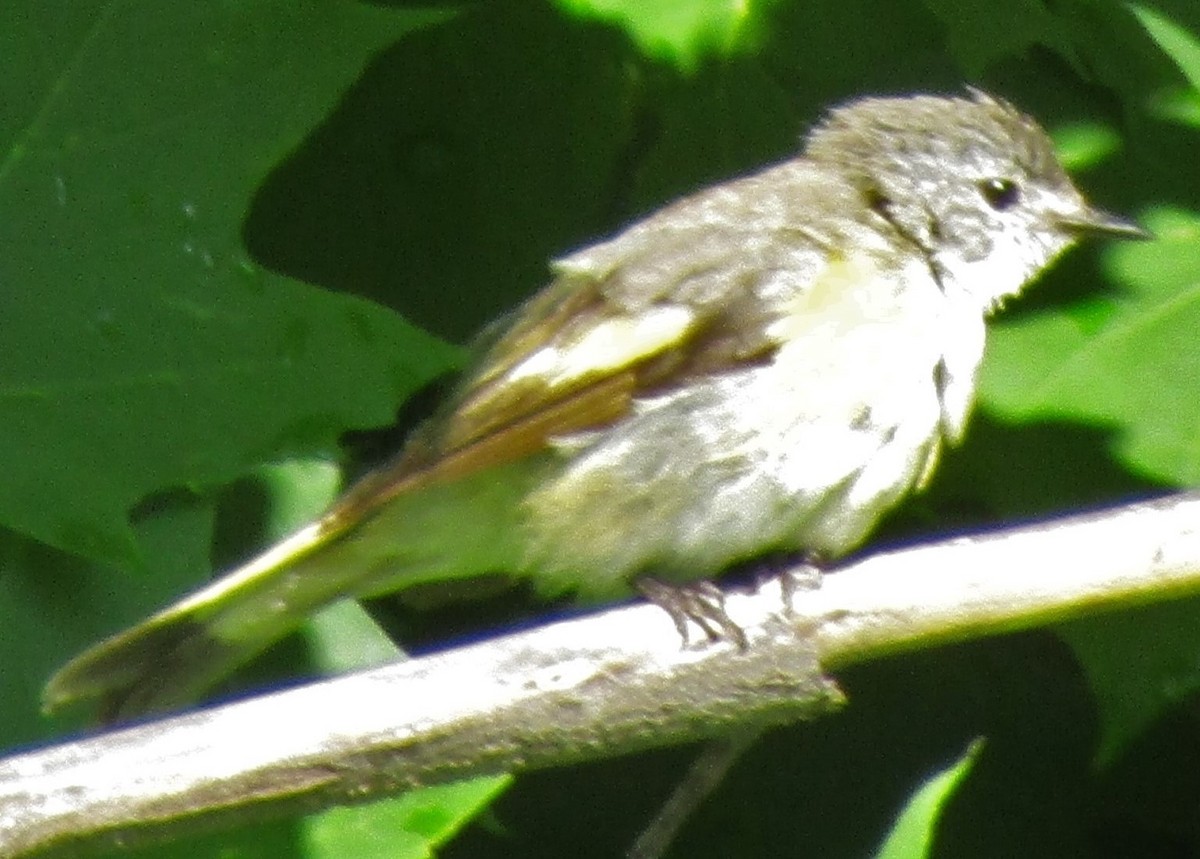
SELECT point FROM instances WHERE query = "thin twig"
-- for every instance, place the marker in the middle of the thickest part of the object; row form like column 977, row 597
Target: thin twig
column 703, row 777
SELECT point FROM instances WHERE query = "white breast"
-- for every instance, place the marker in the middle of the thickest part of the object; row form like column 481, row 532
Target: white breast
column 804, row 453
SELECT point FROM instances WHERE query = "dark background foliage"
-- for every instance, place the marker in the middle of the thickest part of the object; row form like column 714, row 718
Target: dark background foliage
column 235, row 238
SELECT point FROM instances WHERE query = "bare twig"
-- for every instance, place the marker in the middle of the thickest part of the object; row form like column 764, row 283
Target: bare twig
column 703, row 777
column 586, row 688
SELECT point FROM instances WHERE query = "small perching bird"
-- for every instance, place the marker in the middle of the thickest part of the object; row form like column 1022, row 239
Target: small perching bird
column 767, row 365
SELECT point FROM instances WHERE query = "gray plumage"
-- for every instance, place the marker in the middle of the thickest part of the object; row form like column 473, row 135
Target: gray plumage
column 769, row 364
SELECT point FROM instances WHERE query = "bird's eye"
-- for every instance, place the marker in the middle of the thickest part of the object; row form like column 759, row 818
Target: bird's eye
column 1001, row 194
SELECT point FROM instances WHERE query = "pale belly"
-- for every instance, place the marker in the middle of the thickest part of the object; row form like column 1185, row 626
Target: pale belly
column 803, row 454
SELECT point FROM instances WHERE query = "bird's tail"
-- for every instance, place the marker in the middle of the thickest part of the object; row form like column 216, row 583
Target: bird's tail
column 177, row 654
column 454, row 531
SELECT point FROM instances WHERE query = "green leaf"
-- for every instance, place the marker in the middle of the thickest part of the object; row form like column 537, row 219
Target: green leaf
column 680, row 31
column 981, row 33
column 142, row 348
column 410, row 826
column 1139, row 664
column 1117, row 359
column 1082, row 145
column 53, row 604
column 1180, row 105
column 1176, row 40
column 912, row 834
column 407, row 827
column 299, row 491
column 342, row 637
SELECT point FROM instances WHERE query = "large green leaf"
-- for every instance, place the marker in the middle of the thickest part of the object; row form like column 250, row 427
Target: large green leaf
column 1125, row 358
column 142, row 348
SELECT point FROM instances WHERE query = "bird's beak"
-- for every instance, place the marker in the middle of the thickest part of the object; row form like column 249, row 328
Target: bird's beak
column 1089, row 220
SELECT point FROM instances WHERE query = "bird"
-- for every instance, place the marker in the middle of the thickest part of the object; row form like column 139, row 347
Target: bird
column 766, row 365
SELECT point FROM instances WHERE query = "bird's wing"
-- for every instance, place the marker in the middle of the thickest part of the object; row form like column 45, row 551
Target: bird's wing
column 684, row 292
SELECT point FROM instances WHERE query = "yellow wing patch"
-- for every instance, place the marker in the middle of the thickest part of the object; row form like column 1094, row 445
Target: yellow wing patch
column 610, row 345
column 569, row 364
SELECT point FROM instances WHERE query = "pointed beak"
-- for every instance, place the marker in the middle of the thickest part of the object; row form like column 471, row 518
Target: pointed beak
column 1091, row 220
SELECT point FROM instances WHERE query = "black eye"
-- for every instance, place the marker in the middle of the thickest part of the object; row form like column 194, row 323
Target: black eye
column 1001, row 194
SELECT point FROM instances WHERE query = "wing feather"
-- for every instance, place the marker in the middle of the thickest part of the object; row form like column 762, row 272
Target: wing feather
column 694, row 289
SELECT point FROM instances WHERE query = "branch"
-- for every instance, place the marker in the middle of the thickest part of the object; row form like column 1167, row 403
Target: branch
column 585, row 688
